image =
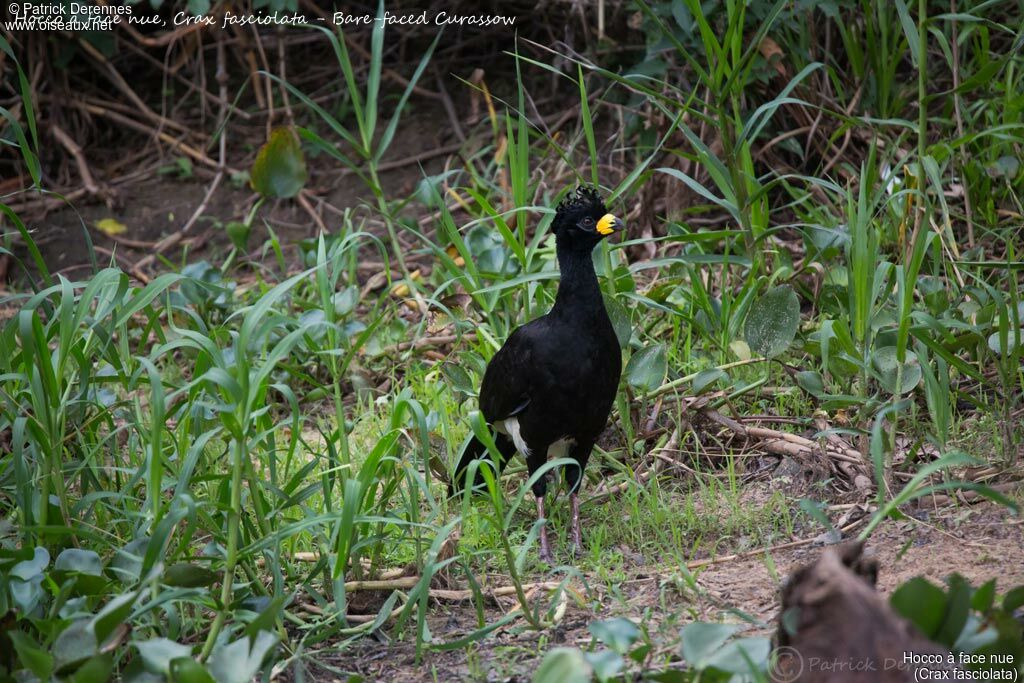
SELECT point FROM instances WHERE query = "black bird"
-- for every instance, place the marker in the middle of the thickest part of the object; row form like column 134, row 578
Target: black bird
column 548, row 391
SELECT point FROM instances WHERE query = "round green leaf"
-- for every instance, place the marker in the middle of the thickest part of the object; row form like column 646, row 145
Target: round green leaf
column 345, row 301
column 78, row 560
column 1012, row 341
column 886, row 365
column 238, row 232
column 26, row 580
column 29, row 569
column 772, row 322
column 647, row 368
column 280, row 167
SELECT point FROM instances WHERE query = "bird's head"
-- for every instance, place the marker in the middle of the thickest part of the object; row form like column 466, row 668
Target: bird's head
column 581, row 219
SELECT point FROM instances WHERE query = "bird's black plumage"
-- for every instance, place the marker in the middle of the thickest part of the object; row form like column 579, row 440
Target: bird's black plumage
column 555, row 378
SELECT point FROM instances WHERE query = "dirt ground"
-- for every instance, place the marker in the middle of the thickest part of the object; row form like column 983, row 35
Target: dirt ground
column 980, row 542
column 160, row 204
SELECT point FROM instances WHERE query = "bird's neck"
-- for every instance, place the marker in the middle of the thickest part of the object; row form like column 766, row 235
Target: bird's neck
column 578, row 290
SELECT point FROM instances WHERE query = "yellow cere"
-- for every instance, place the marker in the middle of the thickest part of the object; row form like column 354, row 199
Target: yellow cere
column 606, row 225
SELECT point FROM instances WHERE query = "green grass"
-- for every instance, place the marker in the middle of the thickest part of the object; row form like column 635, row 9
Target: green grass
column 174, row 447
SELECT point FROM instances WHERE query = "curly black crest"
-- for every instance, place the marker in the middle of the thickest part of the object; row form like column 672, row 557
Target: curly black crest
column 585, row 196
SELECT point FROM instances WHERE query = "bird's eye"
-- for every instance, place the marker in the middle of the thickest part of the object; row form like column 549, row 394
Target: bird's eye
column 588, row 221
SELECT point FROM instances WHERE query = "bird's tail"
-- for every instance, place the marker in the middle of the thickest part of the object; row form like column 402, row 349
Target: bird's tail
column 476, row 450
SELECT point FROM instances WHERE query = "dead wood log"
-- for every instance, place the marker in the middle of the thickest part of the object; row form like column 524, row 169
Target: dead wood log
column 834, row 626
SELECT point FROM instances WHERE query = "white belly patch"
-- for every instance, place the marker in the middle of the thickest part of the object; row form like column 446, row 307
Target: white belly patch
column 560, row 448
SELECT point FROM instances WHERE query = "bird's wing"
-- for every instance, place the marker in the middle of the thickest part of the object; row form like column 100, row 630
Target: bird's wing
column 508, row 382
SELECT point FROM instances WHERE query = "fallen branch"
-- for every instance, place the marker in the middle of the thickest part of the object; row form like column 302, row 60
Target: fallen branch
column 422, row 342
column 697, row 564
column 940, row 499
column 400, row 583
column 75, row 150
column 784, row 443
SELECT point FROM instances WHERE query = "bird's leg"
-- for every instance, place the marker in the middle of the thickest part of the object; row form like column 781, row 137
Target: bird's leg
column 574, row 477
column 545, row 549
column 574, row 531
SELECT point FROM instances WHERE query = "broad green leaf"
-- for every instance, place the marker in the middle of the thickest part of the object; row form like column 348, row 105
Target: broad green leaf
column 605, row 663
column 923, row 603
column 458, row 378
column 984, row 597
column 74, row 645
column 238, row 662
column 97, row 670
column 742, row 656
column 1014, row 599
column 811, row 382
column 619, row 633
column 958, row 607
column 706, row 379
column 563, row 665
column 188, row 670
column 772, row 322
column 280, row 166
column 187, row 575
column 112, row 615
column 31, row 656
column 647, row 368
column 701, row 640
column 157, row 653
column 741, row 349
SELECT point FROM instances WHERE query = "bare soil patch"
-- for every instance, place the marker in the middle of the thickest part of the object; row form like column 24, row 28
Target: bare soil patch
column 980, row 542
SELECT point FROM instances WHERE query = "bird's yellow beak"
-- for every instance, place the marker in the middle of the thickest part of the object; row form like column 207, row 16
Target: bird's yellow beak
column 609, row 224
